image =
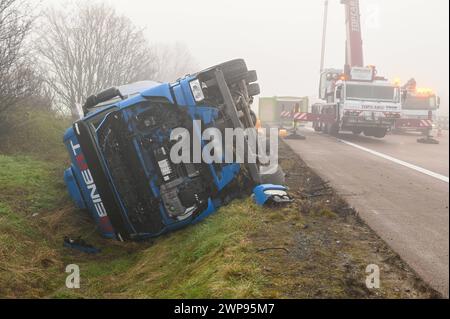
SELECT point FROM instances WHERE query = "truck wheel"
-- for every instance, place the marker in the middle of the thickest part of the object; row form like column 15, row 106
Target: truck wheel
column 368, row 132
column 251, row 77
column 357, row 131
column 334, row 129
column 233, row 71
column 317, row 127
column 380, row 133
column 253, row 89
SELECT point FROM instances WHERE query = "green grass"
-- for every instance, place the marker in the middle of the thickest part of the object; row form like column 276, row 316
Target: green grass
column 211, row 259
column 218, row 258
column 27, row 189
column 207, row 260
column 34, row 132
column 32, row 180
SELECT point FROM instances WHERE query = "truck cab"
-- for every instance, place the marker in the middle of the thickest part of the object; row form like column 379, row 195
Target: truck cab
column 420, row 104
column 369, row 107
column 121, row 167
column 359, row 101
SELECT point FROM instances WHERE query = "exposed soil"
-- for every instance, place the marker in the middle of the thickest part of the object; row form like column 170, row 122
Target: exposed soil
column 318, row 247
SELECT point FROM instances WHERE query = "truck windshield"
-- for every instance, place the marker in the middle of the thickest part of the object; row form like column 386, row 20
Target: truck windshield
column 372, row 92
column 419, row 103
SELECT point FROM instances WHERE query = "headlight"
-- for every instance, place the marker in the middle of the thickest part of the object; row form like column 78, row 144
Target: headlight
column 197, row 91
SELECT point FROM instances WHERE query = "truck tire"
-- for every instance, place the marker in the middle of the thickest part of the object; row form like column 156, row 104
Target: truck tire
column 380, row 133
column 369, row 132
column 334, row 129
column 253, row 89
column 233, row 71
column 316, row 126
column 357, row 131
column 251, row 77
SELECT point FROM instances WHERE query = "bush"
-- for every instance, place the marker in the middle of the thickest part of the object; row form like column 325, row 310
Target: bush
column 33, row 132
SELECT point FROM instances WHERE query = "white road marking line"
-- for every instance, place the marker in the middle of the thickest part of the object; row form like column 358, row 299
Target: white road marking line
column 397, row 161
column 400, row 162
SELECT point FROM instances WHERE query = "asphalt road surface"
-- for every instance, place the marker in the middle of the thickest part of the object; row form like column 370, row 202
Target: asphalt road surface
column 398, row 186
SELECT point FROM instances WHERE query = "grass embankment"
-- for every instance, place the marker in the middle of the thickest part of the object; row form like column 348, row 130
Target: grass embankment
column 207, row 260
column 311, row 249
column 29, row 188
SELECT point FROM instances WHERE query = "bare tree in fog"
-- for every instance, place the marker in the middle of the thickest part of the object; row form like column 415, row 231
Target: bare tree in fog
column 90, row 48
column 174, row 61
column 18, row 80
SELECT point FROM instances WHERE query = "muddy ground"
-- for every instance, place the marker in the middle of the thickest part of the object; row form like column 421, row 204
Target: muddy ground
column 318, row 247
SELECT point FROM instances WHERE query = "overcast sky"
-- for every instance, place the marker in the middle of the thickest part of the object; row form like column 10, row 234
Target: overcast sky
column 282, row 39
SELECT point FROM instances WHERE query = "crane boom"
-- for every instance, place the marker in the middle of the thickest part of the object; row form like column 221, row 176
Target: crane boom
column 356, row 98
column 354, row 46
column 324, row 35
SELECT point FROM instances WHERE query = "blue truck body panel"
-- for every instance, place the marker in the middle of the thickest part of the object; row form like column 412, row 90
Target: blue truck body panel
column 97, row 183
column 75, row 178
column 262, row 192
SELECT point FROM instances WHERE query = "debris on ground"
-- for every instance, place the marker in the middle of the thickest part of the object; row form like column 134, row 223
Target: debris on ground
column 269, row 194
column 80, row 245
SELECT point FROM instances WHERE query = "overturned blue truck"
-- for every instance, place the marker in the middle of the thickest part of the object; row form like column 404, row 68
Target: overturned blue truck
column 121, row 170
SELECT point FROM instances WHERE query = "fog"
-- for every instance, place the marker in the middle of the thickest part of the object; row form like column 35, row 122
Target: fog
column 282, row 39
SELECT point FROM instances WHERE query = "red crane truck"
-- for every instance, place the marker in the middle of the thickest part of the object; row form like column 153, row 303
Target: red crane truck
column 356, row 98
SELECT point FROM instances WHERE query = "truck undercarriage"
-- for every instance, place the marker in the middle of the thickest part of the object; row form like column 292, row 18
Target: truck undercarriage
column 327, row 118
column 122, row 169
